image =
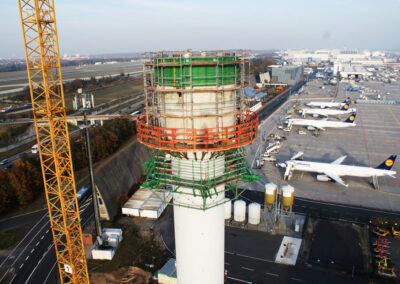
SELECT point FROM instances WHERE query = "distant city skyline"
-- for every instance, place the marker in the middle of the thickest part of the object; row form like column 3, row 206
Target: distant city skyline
column 126, row 26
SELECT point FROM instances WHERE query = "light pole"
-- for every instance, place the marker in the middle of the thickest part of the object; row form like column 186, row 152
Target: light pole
column 84, row 103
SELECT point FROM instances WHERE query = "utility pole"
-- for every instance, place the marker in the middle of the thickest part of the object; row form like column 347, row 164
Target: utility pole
column 87, row 103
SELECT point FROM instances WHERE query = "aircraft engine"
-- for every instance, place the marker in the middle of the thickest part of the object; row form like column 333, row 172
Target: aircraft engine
column 310, row 128
column 323, row 178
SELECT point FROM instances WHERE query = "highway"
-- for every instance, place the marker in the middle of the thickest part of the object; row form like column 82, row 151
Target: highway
column 98, row 115
column 33, row 260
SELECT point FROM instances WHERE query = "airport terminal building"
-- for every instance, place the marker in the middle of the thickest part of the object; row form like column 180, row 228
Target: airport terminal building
column 286, row 74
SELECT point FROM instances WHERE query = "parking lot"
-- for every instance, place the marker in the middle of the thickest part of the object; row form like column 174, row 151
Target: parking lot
column 369, row 143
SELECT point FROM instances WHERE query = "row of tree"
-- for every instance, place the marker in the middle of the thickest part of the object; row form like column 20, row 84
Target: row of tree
column 104, row 141
column 23, row 183
column 11, row 134
column 259, row 65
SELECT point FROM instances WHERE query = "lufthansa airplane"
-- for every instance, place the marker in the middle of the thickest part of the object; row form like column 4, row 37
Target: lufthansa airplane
column 315, row 112
column 328, row 104
column 321, row 124
column 335, row 170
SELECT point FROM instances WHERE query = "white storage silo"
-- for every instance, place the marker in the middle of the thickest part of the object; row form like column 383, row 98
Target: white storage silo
column 228, row 208
column 254, row 213
column 239, row 211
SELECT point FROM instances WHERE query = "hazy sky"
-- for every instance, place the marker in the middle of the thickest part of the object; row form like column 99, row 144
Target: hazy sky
column 112, row 26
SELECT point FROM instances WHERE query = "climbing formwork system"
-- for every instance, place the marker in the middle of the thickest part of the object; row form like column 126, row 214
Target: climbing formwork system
column 197, row 123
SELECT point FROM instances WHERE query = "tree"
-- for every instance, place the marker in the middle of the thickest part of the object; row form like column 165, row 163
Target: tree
column 26, row 181
column 7, row 195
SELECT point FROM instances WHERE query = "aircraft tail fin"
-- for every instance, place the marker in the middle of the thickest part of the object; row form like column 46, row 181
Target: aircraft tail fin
column 345, row 107
column 351, row 118
column 388, row 163
column 347, row 100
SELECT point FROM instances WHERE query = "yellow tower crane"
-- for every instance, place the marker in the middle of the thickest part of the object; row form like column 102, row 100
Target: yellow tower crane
column 45, row 82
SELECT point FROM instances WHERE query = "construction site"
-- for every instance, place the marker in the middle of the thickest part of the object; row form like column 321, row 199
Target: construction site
column 188, row 176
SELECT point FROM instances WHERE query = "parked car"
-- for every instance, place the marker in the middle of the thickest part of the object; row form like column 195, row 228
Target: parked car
column 3, row 162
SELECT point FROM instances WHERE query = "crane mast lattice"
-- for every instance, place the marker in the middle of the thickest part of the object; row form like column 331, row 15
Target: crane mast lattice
column 45, row 82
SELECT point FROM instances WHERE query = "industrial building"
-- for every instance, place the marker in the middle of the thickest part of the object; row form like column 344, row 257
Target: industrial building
column 350, row 71
column 285, row 74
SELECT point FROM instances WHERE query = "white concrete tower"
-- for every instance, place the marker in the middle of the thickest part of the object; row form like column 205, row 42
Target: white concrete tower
column 197, row 122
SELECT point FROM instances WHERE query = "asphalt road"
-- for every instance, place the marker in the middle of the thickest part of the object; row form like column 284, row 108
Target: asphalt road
column 250, row 258
column 33, row 260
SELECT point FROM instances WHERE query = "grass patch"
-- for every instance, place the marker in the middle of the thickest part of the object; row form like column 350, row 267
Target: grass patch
column 38, row 204
column 122, row 88
column 10, row 238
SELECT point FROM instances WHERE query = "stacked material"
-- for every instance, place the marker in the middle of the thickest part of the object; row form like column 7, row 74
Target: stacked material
column 144, row 203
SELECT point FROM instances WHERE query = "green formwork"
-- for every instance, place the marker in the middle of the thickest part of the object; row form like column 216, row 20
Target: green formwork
column 190, row 72
column 238, row 175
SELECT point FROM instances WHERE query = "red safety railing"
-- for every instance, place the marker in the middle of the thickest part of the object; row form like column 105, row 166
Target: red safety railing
column 187, row 139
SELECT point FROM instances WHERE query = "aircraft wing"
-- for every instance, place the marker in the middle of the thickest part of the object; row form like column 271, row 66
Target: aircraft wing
column 318, row 127
column 335, row 178
column 338, row 161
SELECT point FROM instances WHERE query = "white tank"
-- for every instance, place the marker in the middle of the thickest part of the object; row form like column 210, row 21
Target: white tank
column 228, row 208
column 287, row 196
column 254, row 213
column 239, row 211
column 270, row 194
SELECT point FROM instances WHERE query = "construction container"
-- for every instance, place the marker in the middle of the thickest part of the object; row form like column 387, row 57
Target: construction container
column 270, row 194
column 228, row 208
column 254, row 213
column 103, row 254
column 287, row 196
column 89, row 236
column 239, row 211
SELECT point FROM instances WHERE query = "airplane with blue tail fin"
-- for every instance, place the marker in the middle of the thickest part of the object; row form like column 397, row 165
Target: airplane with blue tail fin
column 335, row 170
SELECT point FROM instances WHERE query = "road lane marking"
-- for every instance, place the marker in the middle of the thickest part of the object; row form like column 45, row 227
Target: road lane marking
column 32, row 250
column 296, row 279
column 272, row 274
column 21, row 242
column 251, row 257
column 26, row 258
column 32, row 238
column 227, row 263
column 21, row 266
column 246, row 268
column 48, row 275
column 38, row 264
column 42, row 237
column 47, row 231
column 239, row 280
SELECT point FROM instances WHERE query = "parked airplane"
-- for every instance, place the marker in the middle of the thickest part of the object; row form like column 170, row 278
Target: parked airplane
column 321, row 124
column 328, row 104
column 327, row 112
column 335, row 170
